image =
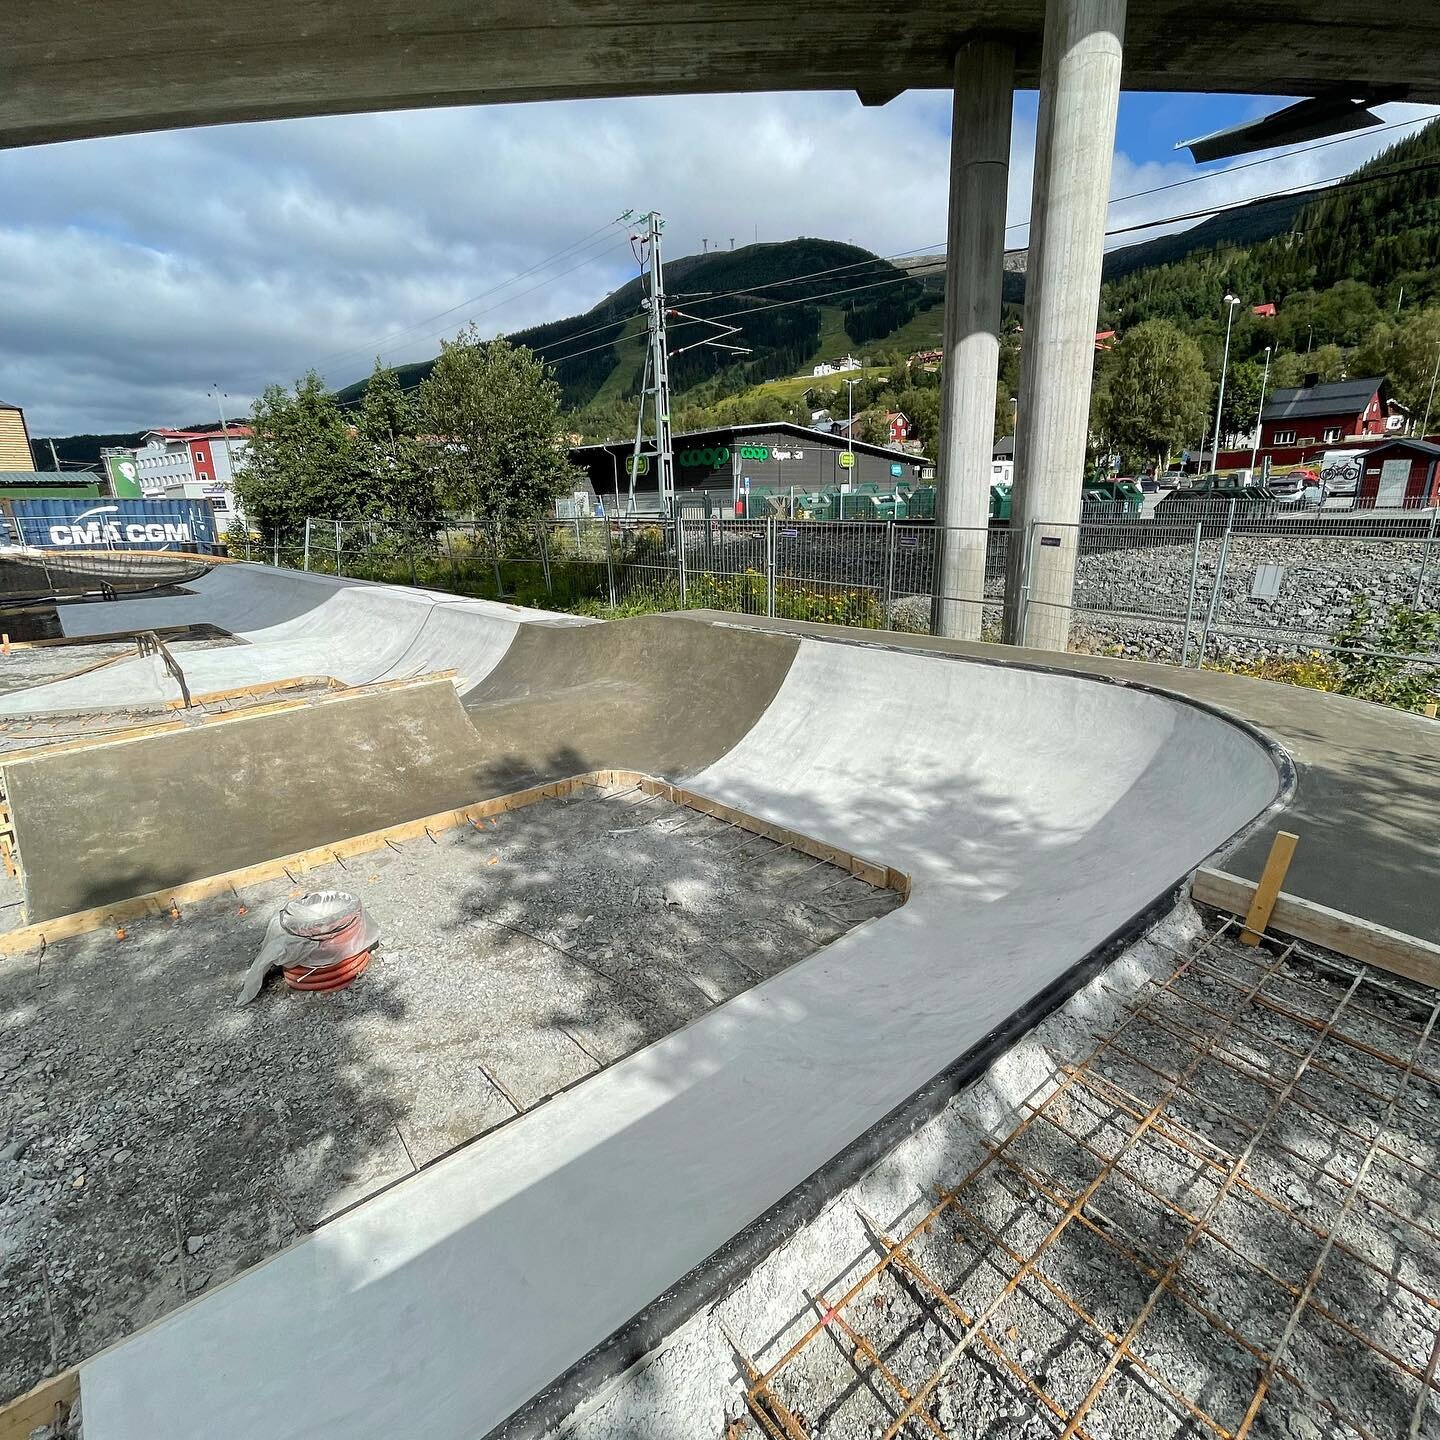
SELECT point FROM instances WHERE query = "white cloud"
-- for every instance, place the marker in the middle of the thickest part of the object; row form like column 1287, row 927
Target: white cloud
column 140, row 270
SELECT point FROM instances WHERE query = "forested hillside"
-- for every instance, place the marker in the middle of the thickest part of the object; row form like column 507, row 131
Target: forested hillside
column 1354, row 274
column 736, row 287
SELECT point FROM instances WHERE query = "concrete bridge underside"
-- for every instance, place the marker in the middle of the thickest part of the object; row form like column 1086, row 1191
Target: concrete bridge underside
column 75, row 68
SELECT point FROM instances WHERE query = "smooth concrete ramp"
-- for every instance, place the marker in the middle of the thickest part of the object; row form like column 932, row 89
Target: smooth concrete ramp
column 294, row 624
column 108, row 821
column 1038, row 814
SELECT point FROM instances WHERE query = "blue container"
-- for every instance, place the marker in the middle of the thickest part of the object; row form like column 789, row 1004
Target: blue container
column 176, row 525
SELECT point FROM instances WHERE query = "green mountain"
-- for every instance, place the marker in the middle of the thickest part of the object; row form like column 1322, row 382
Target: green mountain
column 888, row 309
column 1336, row 265
column 598, row 354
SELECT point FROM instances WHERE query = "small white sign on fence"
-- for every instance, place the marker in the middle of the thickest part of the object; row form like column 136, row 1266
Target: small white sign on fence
column 1265, row 583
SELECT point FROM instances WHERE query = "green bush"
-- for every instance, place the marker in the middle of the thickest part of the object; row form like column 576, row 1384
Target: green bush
column 1371, row 651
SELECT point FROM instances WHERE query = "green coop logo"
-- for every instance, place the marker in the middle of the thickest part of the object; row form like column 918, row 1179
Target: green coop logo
column 709, row 458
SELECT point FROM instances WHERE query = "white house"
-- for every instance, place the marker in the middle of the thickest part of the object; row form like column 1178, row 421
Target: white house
column 835, row 367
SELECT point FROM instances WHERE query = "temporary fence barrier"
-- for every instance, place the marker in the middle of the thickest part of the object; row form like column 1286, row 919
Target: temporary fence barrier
column 1219, row 582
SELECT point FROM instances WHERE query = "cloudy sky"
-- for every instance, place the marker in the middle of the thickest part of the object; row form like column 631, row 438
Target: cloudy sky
column 140, row 271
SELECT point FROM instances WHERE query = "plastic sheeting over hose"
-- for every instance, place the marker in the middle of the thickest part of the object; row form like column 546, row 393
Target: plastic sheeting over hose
column 325, row 931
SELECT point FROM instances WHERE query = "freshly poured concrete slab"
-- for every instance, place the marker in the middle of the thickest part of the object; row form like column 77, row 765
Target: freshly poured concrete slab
column 109, row 821
column 295, row 624
column 1037, row 812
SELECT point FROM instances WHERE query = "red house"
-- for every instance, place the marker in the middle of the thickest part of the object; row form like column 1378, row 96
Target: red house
column 899, row 427
column 1297, row 425
column 1400, row 473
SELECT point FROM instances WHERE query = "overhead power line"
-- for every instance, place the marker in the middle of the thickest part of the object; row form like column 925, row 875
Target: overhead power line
column 939, row 247
column 1317, row 188
column 567, row 251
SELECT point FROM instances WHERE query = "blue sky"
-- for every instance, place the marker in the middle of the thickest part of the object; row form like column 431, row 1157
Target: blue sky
column 141, row 270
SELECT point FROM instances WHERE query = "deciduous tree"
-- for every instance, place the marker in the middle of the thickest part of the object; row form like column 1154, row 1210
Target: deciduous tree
column 492, row 413
column 1156, row 392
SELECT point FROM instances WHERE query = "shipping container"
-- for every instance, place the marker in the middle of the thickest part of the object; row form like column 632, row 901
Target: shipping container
column 174, row 525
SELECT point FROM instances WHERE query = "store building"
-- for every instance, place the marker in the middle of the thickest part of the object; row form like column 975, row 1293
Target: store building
column 724, row 463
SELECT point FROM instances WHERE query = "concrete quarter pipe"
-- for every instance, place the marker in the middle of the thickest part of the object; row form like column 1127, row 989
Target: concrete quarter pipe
column 1037, row 813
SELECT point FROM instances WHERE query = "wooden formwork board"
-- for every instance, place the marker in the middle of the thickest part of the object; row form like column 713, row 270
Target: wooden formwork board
column 1348, row 935
column 292, row 866
column 47, row 1405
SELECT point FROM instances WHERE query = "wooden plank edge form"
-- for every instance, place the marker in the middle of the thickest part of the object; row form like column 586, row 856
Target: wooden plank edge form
column 160, row 902
column 49, row 1401
column 1362, row 940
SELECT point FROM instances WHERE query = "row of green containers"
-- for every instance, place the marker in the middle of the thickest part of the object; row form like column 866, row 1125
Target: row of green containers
column 869, row 502
column 866, row 502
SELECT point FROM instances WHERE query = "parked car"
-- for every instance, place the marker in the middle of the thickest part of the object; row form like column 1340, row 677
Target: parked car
column 1291, row 483
column 1169, row 479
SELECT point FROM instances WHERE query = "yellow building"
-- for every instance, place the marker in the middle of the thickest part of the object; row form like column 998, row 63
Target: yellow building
column 14, row 439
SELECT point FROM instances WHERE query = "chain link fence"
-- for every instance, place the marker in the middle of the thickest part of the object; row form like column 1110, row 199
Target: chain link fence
column 1217, row 585
column 1225, row 586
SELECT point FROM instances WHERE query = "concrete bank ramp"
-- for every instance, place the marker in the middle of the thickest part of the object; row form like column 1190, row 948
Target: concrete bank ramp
column 109, row 821
column 1038, row 813
column 294, row 624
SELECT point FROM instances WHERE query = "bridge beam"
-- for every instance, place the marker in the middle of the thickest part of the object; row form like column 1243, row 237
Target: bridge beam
column 974, row 271
column 1074, row 143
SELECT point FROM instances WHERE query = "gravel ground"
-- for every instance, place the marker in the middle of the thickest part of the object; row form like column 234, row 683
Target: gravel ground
column 695, row 1387
column 155, row 1140
column 1134, row 601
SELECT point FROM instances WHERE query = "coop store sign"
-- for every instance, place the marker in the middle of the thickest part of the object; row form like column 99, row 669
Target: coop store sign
column 709, row 458
column 712, row 457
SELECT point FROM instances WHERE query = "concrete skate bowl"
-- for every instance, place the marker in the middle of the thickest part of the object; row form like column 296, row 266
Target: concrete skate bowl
column 1040, row 817
column 34, row 571
column 293, row 624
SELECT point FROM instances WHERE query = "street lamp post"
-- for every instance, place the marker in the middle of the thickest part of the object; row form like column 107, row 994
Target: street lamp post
column 1232, row 302
column 1264, row 383
column 1425, row 423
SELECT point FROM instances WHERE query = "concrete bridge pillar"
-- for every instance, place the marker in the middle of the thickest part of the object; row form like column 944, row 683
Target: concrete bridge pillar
column 1075, row 139
column 974, row 266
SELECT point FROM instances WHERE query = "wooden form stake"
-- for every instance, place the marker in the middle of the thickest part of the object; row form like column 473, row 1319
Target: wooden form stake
column 1266, row 892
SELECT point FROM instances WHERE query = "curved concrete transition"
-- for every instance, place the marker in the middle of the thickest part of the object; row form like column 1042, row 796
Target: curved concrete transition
column 294, row 624
column 1038, row 813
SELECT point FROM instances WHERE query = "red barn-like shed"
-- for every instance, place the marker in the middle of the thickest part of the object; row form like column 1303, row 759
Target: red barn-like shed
column 1400, row 473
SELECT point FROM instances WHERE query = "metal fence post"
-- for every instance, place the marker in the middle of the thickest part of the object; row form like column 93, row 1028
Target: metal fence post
column 1190, row 604
column 277, row 548
column 545, row 555
column 1214, row 608
column 889, row 599
column 307, row 542
column 770, row 566
column 680, row 555
column 1023, row 629
column 338, row 570
column 450, row 556
column 1425, row 558
column 610, row 565
column 495, row 562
